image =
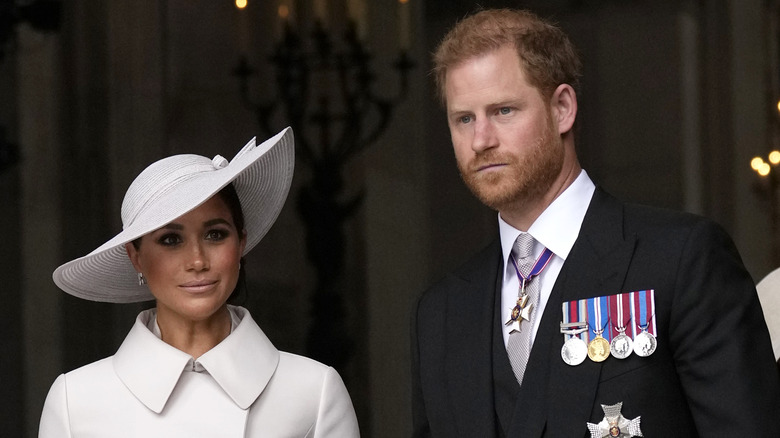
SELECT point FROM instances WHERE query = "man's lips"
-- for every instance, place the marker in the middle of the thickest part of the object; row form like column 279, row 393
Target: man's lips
column 490, row 166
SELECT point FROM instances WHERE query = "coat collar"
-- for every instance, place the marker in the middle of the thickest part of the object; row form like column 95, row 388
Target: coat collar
column 242, row 364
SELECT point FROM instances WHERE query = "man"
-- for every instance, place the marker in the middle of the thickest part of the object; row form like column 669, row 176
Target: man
column 518, row 341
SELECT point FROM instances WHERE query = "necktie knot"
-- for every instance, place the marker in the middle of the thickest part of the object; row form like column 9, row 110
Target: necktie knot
column 523, row 247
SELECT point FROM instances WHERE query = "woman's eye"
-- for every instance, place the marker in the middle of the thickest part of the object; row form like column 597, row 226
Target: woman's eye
column 216, row 234
column 169, row 240
column 465, row 119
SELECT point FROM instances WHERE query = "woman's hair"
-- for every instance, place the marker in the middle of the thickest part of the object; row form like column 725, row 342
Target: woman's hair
column 230, row 196
column 548, row 56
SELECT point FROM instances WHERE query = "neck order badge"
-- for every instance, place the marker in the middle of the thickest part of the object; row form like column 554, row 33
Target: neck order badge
column 522, row 310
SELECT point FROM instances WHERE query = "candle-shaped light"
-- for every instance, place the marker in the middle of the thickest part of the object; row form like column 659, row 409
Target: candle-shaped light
column 404, row 24
column 356, row 9
column 284, row 13
column 243, row 26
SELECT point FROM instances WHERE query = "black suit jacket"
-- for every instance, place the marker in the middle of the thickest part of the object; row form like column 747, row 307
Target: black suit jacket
column 713, row 373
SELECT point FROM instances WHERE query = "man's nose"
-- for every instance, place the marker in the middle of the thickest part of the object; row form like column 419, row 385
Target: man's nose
column 484, row 136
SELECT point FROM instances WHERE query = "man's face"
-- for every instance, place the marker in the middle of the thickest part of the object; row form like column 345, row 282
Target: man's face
column 508, row 149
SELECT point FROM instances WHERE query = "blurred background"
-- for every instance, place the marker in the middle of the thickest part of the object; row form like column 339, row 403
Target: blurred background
column 677, row 98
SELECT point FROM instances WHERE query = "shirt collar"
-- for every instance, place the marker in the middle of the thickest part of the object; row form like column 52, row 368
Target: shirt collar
column 242, row 364
column 559, row 224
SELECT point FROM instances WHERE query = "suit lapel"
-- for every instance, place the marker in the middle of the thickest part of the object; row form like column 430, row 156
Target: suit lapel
column 563, row 395
column 469, row 344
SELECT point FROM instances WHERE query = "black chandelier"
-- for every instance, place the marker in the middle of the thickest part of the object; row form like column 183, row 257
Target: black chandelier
column 324, row 89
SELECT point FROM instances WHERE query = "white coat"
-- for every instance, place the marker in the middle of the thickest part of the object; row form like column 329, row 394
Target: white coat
column 243, row 387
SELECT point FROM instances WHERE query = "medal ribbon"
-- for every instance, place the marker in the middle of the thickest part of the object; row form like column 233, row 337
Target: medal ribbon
column 619, row 313
column 537, row 269
column 598, row 317
column 571, row 313
column 643, row 309
column 632, row 311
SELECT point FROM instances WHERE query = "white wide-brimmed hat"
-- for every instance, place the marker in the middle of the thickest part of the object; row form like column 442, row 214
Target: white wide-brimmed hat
column 769, row 296
column 172, row 187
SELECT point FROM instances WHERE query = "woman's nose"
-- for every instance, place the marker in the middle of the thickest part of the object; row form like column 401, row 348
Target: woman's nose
column 198, row 258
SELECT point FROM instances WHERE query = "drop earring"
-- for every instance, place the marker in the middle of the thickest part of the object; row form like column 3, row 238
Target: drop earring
column 141, row 279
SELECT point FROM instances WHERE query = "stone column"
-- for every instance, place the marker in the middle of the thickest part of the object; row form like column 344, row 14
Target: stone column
column 39, row 138
column 396, row 217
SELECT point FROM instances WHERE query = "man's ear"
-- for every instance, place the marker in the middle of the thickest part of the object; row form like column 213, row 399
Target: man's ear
column 563, row 107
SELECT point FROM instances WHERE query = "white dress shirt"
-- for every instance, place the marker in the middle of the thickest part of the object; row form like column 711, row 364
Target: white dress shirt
column 556, row 228
column 243, row 387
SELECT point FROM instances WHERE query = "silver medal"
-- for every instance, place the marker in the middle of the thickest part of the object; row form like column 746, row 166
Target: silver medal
column 621, row 345
column 644, row 344
column 574, row 351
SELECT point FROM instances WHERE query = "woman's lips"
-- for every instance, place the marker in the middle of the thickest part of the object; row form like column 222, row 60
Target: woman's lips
column 198, row 285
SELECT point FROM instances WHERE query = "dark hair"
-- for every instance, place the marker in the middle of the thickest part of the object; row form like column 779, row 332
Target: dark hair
column 230, row 196
column 548, row 57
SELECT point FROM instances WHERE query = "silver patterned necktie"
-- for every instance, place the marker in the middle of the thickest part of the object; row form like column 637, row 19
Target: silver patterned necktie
column 519, row 345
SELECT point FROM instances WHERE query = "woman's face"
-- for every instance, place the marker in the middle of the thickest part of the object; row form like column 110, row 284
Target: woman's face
column 191, row 265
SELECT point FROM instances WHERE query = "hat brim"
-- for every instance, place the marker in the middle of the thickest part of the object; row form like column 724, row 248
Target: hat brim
column 769, row 296
column 261, row 175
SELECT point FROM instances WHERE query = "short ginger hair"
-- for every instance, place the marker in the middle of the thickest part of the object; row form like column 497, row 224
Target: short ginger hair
column 547, row 55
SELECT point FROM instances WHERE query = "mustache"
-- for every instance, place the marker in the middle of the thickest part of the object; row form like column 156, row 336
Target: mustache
column 488, row 158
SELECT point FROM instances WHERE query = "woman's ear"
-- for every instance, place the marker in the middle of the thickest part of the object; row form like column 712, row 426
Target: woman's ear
column 563, row 106
column 132, row 254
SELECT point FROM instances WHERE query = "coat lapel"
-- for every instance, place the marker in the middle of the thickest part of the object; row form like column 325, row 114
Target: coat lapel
column 469, row 344
column 563, row 395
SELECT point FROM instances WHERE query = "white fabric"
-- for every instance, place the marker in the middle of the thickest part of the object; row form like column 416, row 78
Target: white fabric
column 248, row 389
column 769, row 295
column 556, row 228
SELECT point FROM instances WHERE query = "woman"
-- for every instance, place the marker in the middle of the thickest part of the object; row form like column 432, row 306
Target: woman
column 194, row 365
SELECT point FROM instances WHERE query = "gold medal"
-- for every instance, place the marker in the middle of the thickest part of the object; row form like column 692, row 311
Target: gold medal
column 598, row 348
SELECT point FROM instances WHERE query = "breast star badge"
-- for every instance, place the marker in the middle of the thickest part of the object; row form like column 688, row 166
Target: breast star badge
column 614, row 424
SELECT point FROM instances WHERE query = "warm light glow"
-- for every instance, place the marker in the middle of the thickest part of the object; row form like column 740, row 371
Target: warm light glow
column 284, row 11
column 764, row 169
column 778, row 105
column 774, row 157
column 241, row 4
column 407, row 1
column 756, row 163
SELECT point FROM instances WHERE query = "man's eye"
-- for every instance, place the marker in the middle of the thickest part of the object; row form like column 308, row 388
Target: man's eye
column 504, row 110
